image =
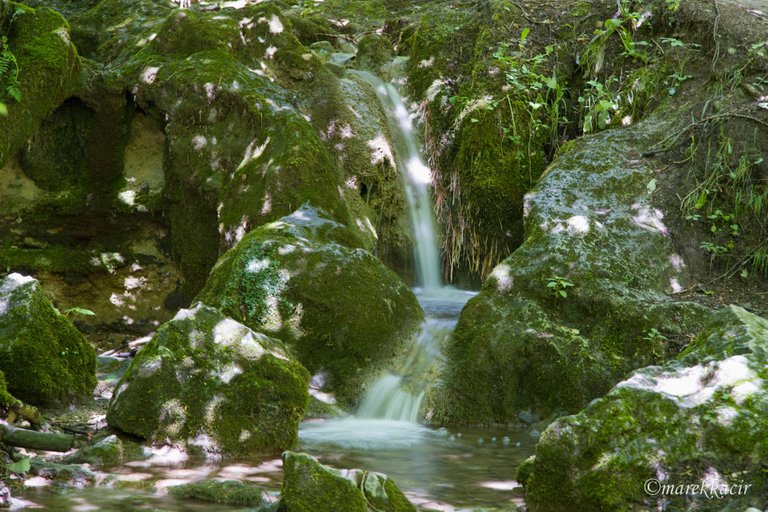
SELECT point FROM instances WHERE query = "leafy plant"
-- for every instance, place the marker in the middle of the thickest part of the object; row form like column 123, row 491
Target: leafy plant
column 9, row 73
column 20, row 467
column 598, row 106
column 546, row 95
column 558, row 286
column 624, row 26
column 71, row 312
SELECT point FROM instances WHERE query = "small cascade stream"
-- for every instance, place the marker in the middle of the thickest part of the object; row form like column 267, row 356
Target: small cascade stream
column 389, row 413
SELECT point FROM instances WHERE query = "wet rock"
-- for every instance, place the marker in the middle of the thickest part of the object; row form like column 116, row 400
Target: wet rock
column 308, row 486
column 698, row 420
column 69, row 475
column 339, row 309
column 582, row 301
column 227, row 492
column 109, row 451
column 44, row 358
column 211, row 383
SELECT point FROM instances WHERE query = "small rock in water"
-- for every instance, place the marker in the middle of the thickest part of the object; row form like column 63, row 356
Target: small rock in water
column 493, row 439
column 481, row 440
column 505, row 441
column 5, row 497
column 458, row 435
column 535, row 434
column 518, row 444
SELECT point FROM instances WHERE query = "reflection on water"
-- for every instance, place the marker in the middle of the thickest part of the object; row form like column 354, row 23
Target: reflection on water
column 437, row 469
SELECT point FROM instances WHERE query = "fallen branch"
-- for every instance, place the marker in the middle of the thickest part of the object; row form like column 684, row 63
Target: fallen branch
column 33, row 440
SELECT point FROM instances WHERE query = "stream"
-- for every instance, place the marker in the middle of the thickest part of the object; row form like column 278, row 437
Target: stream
column 437, row 468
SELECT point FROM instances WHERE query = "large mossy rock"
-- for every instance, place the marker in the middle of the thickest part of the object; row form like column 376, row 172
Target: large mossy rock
column 209, row 382
column 520, row 344
column 702, row 418
column 45, row 359
column 255, row 125
column 49, row 69
column 308, row 486
column 341, row 310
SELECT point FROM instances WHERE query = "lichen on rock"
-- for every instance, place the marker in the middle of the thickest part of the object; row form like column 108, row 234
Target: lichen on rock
column 308, row 486
column 697, row 420
column 214, row 385
column 341, row 311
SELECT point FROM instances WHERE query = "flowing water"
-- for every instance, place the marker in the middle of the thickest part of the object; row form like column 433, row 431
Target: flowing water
column 438, row 469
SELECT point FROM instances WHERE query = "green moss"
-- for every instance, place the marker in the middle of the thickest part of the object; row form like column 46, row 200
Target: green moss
column 309, row 486
column 294, row 279
column 600, row 458
column 211, row 382
column 44, row 358
column 49, row 70
column 6, row 399
column 54, row 258
column 228, row 492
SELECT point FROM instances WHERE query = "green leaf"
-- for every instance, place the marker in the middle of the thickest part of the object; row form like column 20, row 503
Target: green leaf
column 3, row 109
column 79, row 311
column 524, row 35
column 701, row 200
column 651, row 186
column 20, row 467
column 551, row 82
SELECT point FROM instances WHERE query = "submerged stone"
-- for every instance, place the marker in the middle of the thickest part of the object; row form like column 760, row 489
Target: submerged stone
column 341, row 310
column 699, row 420
column 227, row 492
column 211, row 383
column 44, row 357
column 308, row 486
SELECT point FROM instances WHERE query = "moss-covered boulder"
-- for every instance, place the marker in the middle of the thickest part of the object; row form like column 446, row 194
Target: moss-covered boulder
column 342, row 312
column 225, row 492
column 582, row 301
column 211, row 383
column 698, row 420
column 308, row 486
column 44, row 357
column 48, row 65
column 254, row 124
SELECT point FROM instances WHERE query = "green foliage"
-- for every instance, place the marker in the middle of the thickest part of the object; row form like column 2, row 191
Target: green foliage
column 624, row 26
column 20, row 467
column 731, row 195
column 598, row 105
column 71, row 312
column 9, row 74
column 558, row 286
column 546, row 105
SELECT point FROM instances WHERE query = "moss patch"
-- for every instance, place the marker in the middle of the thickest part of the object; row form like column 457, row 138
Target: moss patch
column 340, row 309
column 211, row 383
column 45, row 359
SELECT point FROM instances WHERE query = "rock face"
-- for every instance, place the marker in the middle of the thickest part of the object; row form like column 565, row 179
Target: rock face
column 308, row 486
column 43, row 50
column 341, row 311
column 700, row 419
column 44, row 357
column 212, row 383
column 593, row 234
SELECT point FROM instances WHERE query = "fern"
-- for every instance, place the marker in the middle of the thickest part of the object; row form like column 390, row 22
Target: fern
column 9, row 73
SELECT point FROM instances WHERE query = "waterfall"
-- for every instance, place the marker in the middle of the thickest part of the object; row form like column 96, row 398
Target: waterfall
column 388, row 414
column 416, row 178
column 398, row 395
